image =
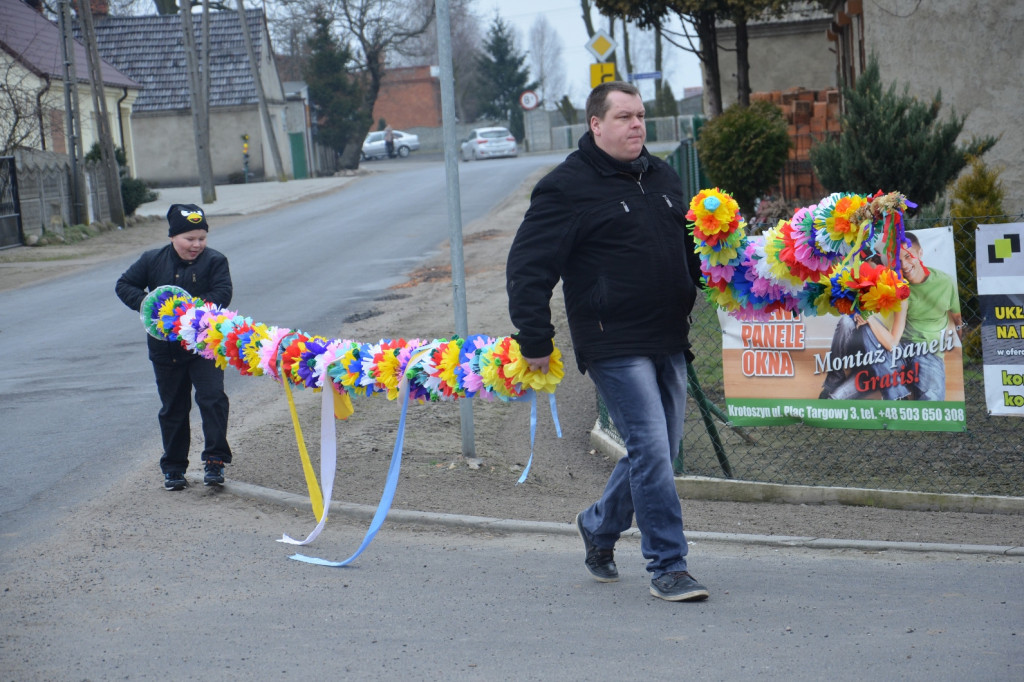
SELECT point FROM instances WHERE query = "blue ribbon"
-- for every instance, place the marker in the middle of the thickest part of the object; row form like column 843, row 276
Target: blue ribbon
column 396, row 464
column 532, row 397
column 385, row 500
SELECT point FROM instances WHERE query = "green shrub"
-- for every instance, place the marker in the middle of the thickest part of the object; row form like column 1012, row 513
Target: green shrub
column 977, row 194
column 135, row 193
column 891, row 141
column 744, row 150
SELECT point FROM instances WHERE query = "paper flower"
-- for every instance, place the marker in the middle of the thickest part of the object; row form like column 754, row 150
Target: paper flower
column 816, row 263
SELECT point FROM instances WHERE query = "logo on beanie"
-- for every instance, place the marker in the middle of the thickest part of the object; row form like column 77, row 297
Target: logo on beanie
column 185, row 218
column 192, row 216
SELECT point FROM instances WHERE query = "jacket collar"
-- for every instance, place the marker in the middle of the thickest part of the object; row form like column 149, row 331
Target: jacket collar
column 606, row 165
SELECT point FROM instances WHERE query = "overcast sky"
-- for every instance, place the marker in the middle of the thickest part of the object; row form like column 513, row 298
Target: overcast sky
column 680, row 67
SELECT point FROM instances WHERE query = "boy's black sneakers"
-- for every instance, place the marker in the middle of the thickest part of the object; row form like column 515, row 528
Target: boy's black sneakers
column 214, row 473
column 678, row 586
column 600, row 562
column 175, row 480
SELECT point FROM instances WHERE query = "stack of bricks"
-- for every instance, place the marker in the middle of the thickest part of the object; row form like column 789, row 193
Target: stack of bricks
column 811, row 117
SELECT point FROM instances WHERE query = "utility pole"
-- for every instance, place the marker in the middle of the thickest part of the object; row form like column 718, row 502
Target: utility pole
column 99, row 106
column 264, row 112
column 199, row 99
column 79, row 213
column 451, row 167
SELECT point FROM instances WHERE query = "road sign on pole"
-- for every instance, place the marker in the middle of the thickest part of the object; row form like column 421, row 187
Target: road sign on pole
column 601, row 73
column 601, row 45
column 642, row 76
column 529, row 100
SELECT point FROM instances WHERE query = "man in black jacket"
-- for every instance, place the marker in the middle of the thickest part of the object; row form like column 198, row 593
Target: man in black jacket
column 187, row 263
column 610, row 223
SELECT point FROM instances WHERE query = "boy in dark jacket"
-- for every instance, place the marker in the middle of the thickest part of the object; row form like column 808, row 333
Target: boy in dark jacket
column 187, row 263
column 609, row 222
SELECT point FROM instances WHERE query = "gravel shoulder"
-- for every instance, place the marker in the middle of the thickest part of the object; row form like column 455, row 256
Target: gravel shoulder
column 567, row 474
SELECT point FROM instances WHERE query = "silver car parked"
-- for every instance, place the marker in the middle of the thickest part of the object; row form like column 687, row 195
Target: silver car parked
column 487, row 143
column 374, row 147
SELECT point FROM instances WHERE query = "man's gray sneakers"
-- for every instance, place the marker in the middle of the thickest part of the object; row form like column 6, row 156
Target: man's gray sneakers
column 600, row 562
column 678, row 586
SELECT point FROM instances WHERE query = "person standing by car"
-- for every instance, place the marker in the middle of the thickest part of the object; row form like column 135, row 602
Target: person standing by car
column 389, row 141
column 187, row 263
column 610, row 222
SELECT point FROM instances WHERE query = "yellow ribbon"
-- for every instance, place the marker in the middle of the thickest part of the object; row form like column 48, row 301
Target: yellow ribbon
column 342, row 402
column 315, row 496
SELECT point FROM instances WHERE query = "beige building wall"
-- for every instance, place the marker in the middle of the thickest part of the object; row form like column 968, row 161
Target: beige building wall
column 119, row 107
column 781, row 57
column 969, row 50
column 166, row 150
column 51, row 132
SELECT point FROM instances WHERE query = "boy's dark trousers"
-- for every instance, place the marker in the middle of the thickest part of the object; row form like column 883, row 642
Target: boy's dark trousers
column 174, row 382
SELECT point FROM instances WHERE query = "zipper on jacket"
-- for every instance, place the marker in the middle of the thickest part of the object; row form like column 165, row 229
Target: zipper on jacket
column 625, row 206
column 667, row 200
column 636, row 180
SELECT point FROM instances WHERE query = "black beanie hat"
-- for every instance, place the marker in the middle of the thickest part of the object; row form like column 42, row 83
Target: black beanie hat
column 185, row 218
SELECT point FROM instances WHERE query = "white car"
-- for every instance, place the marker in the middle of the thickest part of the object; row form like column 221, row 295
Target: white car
column 374, row 147
column 487, row 143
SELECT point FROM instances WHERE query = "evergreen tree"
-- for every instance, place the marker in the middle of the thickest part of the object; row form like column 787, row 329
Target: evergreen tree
column 893, row 142
column 335, row 95
column 665, row 102
column 976, row 196
column 503, row 76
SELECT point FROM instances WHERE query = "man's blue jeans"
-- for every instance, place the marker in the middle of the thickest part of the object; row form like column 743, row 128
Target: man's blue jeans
column 931, row 384
column 646, row 399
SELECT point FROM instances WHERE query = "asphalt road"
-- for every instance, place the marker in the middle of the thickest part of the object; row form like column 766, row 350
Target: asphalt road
column 146, row 585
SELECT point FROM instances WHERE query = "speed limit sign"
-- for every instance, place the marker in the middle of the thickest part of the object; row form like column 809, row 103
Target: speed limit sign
column 529, row 100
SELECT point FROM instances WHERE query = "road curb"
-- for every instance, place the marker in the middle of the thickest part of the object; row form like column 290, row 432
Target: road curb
column 362, row 512
column 732, row 490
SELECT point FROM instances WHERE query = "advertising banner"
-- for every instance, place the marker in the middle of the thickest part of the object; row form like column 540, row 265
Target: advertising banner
column 903, row 372
column 1001, row 295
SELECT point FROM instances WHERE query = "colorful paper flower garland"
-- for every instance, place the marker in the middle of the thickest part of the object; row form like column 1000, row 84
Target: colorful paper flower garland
column 819, row 262
column 444, row 369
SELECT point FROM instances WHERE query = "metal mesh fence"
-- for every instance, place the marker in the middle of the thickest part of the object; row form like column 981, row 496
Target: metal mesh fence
column 986, row 459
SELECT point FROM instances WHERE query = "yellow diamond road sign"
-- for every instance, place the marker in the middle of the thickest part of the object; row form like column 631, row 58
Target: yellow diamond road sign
column 601, row 45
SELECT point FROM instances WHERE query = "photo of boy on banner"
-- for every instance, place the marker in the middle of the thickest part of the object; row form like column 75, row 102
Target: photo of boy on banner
column 904, row 352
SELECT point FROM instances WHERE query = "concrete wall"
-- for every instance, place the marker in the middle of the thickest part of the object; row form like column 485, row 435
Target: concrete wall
column 781, row 57
column 969, row 50
column 166, row 152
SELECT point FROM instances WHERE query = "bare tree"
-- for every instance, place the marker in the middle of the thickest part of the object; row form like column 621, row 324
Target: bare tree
column 275, row 151
column 99, row 103
column 199, row 95
column 466, row 41
column 20, row 112
column 379, row 32
column 546, row 61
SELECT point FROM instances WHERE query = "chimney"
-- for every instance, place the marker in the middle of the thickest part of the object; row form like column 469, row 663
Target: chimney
column 100, row 8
